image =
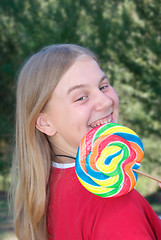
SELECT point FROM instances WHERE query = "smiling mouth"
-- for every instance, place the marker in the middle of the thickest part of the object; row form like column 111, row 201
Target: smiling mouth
column 102, row 121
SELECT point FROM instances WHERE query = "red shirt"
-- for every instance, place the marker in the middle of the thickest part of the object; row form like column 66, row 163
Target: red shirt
column 76, row 214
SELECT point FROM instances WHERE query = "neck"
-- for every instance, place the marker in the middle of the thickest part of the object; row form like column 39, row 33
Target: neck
column 62, row 158
column 62, row 150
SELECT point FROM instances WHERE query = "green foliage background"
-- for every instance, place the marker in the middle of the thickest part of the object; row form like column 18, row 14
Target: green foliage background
column 125, row 34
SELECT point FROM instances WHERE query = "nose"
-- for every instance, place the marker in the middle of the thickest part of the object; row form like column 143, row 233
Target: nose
column 102, row 101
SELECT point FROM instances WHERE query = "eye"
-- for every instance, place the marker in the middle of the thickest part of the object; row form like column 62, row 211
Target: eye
column 103, row 87
column 81, row 98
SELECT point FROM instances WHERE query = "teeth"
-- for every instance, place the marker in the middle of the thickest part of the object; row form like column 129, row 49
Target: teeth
column 101, row 122
column 109, row 120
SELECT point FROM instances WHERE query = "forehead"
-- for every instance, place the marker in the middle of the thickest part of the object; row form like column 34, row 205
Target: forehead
column 84, row 71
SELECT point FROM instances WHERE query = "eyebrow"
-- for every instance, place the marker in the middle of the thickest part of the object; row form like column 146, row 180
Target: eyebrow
column 84, row 85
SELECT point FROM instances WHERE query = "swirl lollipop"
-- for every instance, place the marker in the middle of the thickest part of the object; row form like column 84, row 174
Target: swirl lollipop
column 106, row 158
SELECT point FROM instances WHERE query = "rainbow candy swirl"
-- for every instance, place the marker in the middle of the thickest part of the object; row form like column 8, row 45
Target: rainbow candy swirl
column 106, row 158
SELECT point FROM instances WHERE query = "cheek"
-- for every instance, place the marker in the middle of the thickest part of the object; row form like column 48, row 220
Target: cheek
column 58, row 116
column 117, row 100
column 115, row 97
column 81, row 112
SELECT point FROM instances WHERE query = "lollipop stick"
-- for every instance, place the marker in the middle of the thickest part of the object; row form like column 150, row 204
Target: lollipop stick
column 147, row 175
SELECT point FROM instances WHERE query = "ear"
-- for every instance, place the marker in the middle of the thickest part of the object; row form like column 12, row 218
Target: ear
column 44, row 125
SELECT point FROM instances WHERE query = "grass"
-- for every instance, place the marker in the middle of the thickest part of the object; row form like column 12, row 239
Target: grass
column 7, row 236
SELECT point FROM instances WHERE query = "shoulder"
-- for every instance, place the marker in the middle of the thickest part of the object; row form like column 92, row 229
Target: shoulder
column 126, row 217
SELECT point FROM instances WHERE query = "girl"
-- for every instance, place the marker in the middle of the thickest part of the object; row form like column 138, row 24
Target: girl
column 62, row 93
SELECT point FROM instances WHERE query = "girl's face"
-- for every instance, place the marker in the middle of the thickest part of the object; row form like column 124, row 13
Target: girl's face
column 82, row 100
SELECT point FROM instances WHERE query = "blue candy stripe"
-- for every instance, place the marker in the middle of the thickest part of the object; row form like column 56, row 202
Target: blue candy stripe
column 92, row 172
column 136, row 166
column 109, row 158
column 131, row 138
column 80, row 172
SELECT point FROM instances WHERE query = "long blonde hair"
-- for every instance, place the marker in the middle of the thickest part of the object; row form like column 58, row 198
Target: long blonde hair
column 33, row 153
